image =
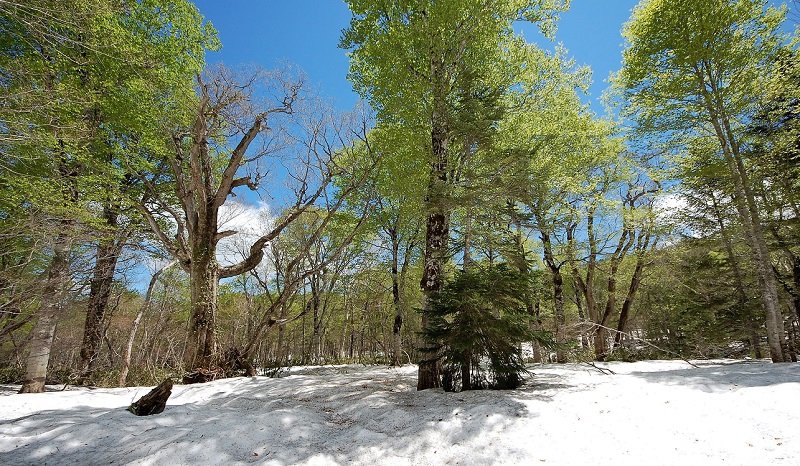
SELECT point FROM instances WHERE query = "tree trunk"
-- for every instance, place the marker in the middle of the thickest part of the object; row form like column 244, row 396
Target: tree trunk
column 466, row 371
column 536, row 323
column 436, row 239
column 108, row 252
column 201, row 346
column 796, row 289
column 582, row 317
column 586, row 287
column 316, row 322
column 636, row 280
column 744, row 200
column 53, row 294
column 752, row 222
column 558, row 296
column 397, row 341
column 755, row 342
column 601, row 332
column 154, row 402
column 437, row 236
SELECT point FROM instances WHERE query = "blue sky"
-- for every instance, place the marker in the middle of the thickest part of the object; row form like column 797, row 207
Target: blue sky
column 306, row 33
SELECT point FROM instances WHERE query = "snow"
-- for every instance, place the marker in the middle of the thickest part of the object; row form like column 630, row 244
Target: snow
column 644, row 413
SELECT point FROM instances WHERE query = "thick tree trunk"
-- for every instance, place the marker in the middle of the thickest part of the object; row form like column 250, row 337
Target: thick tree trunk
column 53, row 293
column 437, row 236
column 201, row 346
column 108, row 252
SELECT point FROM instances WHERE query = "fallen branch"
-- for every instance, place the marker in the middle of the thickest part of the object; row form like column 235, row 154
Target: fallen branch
column 648, row 344
column 603, row 370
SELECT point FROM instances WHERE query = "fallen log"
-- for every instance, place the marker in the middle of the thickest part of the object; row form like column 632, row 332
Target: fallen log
column 201, row 375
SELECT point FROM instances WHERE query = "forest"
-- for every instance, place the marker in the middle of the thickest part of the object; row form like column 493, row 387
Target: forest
column 470, row 215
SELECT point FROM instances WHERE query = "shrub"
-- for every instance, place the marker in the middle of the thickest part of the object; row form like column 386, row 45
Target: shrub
column 477, row 324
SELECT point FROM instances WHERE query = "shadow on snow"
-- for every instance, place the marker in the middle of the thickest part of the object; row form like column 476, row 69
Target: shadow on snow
column 343, row 419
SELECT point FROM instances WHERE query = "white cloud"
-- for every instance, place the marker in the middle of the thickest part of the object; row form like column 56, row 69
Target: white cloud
column 248, row 221
column 668, row 207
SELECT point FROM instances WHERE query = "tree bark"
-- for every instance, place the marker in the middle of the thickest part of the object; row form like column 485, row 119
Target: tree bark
column 437, row 236
column 53, row 294
column 755, row 342
column 201, row 347
column 558, row 296
column 154, row 402
column 397, row 341
column 108, row 252
column 636, row 280
column 586, row 286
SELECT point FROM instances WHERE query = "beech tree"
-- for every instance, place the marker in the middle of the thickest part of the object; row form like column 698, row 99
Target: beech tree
column 555, row 143
column 241, row 120
column 173, row 35
column 694, row 70
column 76, row 83
column 412, row 60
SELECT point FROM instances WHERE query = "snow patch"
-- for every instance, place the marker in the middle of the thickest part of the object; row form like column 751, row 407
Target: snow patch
column 654, row 413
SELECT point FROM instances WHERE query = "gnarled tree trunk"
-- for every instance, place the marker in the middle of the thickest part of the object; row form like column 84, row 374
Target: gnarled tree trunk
column 201, row 347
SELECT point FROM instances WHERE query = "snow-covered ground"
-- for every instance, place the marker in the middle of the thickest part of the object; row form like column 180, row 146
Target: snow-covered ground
column 645, row 413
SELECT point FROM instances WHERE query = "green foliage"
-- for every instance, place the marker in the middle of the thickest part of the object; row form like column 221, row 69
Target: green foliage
column 397, row 46
column 692, row 304
column 688, row 56
column 478, row 322
column 12, row 374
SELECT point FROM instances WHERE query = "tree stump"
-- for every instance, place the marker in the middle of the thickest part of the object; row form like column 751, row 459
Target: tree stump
column 154, row 402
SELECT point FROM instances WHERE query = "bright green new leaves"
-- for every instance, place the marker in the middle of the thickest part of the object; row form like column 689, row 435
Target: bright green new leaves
column 407, row 55
column 695, row 70
column 91, row 85
column 681, row 51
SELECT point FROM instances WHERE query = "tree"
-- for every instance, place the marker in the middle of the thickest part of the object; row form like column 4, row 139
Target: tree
column 412, row 61
column 173, row 35
column 75, row 81
column 205, row 169
column 477, row 323
column 397, row 222
column 555, row 143
column 695, row 70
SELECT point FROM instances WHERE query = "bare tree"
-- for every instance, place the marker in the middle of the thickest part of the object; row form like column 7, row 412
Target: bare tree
column 148, row 298
column 243, row 120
